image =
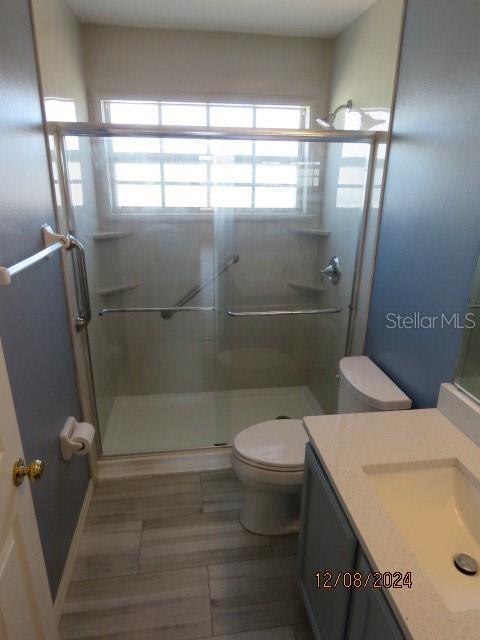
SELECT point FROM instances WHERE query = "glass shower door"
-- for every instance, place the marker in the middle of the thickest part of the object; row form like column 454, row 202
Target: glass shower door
column 286, row 309
column 151, row 264
column 208, row 263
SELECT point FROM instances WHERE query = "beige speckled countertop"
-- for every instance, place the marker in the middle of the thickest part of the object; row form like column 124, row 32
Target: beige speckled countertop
column 345, row 444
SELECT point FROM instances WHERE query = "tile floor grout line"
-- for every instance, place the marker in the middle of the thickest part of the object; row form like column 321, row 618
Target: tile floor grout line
column 210, row 599
column 270, row 545
column 140, row 548
column 173, row 569
column 267, row 628
column 199, row 566
column 142, row 573
column 241, row 633
column 201, row 493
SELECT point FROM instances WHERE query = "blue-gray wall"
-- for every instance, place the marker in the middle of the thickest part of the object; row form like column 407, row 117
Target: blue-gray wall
column 33, row 315
column 430, row 229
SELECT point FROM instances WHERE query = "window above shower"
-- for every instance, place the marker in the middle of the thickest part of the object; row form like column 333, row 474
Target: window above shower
column 152, row 176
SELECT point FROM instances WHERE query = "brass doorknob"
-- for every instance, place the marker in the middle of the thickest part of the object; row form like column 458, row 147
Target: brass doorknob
column 33, row 471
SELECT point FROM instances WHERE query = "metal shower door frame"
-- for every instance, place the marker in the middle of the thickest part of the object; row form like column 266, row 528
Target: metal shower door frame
column 60, row 130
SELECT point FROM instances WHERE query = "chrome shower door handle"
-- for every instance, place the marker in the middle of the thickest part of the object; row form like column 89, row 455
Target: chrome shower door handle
column 332, row 270
column 283, row 312
column 84, row 314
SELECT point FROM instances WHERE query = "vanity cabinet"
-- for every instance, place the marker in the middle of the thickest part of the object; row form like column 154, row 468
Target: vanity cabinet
column 328, row 544
column 370, row 616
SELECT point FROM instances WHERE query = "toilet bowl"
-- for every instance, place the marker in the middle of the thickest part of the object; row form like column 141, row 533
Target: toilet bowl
column 268, row 457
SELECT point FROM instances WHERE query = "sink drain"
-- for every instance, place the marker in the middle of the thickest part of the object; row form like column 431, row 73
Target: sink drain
column 465, row 564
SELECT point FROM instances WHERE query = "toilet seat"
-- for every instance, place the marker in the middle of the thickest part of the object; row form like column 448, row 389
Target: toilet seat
column 266, row 467
column 275, row 445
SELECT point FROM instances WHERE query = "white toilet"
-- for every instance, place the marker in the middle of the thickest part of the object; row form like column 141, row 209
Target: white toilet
column 268, row 457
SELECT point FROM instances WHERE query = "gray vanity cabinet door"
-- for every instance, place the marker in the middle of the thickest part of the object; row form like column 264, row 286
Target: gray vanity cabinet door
column 370, row 615
column 327, row 543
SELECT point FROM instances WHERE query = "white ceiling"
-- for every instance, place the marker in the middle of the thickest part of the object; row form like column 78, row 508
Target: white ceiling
column 314, row 18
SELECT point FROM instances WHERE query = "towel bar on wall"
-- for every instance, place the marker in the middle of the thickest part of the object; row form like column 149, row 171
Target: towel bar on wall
column 53, row 242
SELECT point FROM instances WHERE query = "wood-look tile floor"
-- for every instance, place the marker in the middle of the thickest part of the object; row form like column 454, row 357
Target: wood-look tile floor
column 165, row 558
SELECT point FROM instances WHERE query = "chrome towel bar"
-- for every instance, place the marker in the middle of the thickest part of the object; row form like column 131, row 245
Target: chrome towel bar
column 162, row 310
column 284, row 312
column 84, row 314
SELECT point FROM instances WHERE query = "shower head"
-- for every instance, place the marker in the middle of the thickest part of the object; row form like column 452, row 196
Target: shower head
column 327, row 121
column 323, row 122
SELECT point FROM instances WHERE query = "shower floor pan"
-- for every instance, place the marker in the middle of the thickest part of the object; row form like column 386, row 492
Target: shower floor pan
column 169, row 422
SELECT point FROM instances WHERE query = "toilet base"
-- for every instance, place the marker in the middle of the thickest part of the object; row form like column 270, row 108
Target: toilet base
column 270, row 513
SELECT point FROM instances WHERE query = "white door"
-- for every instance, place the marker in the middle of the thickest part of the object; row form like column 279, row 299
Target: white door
column 26, row 609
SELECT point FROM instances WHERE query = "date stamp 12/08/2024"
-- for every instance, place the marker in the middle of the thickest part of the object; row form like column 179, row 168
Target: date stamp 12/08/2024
column 359, row 580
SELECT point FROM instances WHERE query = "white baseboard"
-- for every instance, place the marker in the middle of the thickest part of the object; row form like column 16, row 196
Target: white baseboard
column 164, row 463
column 72, row 553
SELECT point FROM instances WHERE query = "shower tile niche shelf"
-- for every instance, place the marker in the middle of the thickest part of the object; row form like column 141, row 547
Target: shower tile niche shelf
column 111, row 235
column 306, row 286
column 118, row 289
column 312, row 233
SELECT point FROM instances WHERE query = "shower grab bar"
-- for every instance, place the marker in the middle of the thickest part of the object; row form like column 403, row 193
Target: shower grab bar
column 284, row 312
column 104, row 312
column 167, row 314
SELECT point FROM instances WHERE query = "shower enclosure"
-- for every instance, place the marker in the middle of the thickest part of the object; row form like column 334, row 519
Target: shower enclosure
column 215, row 300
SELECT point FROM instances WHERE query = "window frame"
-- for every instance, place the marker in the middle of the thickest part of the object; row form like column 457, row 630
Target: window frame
column 77, row 196
column 110, row 158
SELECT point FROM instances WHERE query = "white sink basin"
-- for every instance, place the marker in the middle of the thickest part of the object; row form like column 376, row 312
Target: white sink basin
column 436, row 506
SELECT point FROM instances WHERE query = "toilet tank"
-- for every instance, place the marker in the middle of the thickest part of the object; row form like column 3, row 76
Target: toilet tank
column 365, row 387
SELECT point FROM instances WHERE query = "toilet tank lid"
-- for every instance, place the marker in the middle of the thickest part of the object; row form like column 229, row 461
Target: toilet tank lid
column 371, row 385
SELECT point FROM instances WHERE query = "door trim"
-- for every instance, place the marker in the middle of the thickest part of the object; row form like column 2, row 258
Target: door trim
column 72, row 553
